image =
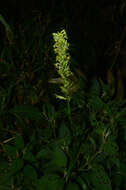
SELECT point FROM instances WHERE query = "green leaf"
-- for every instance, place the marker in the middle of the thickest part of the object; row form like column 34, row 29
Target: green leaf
column 98, row 178
column 11, row 151
column 63, row 130
column 16, row 166
column 96, row 103
column 64, row 133
column 50, row 182
column 27, row 111
column 4, row 177
column 121, row 113
column 30, row 174
column 72, row 186
column 110, row 147
column 3, row 166
column 123, row 168
column 19, row 142
column 57, row 161
column 45, row 153
column 5, row 182
column 122, row 121
column 117, row 180
column 51, row 111
column 59, row 158
column 82, row 183
column 29, row 157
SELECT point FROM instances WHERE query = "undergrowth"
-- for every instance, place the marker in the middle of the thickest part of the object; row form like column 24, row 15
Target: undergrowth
column 75, row 142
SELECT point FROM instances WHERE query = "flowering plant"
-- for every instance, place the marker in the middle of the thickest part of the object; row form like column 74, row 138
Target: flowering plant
column 61, row 48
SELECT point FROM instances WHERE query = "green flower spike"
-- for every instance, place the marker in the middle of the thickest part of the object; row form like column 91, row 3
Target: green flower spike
column 61, row 48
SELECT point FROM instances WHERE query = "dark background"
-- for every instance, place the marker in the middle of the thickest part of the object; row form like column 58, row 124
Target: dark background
column 93, row 27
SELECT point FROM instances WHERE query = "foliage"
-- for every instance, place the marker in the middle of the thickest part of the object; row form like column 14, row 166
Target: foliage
column 73, row 144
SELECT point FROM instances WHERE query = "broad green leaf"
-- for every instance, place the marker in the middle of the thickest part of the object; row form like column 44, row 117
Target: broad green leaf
column 27, row 111
column 63, row 130
column 57, row 161
column 64, row 133
column 11, row 151
column 50, row 182
column 29, row 157
column 19, row 142
column 45, row 153
column 59, row 158
column 30, row 174
column 5, row 182
column 72, row 186
column 16, row 166
column 98, row 178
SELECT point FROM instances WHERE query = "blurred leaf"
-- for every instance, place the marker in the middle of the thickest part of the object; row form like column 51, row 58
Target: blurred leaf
column 16, row 166
column 64, row 133
column 45, row 153
column 120, row 87
column 64, row 130
column 59, row 158
column 50, row 182
column 122, row 121
column 19, row 142
column 29, row 157
column 6, row 25
column 79, row 73
column 110, row 147
column 82, row 183
column 51, row 113
column 11, row 151
column 111, row 82
column 72, row 186
column 98, row 178
column 121, row 114
column 30, row 174
column 96, row 103
column 5, row 182
column 57, row 161
column 95, row 88
column 3, row 166
column 117, row 181
column 27, row 111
